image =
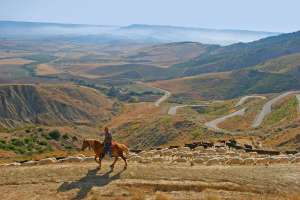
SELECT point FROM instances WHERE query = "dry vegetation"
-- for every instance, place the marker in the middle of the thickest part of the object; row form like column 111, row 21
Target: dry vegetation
column 151, row 181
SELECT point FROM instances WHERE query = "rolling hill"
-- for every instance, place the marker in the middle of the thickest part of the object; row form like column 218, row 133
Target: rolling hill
column 231, row 84
column 284, row 64
column 242, row 55
column 165, row 55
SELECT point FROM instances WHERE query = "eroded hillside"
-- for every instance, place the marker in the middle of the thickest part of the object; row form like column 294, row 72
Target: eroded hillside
column 52, row 105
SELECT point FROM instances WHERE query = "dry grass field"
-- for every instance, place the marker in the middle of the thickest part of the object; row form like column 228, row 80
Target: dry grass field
column 151, row 181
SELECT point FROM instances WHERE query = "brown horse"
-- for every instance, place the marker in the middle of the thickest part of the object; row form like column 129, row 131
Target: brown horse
column 98, row 147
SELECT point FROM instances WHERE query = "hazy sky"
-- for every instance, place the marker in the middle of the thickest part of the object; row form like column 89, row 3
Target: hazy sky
column 269, row 15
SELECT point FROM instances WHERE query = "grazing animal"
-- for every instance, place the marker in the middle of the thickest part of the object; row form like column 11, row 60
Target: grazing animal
column 174, row 147
column 248, row 146
column 98, row 147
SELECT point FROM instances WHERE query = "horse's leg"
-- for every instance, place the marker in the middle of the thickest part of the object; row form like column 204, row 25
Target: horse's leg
column 122, row 156
column 98, row 161
column 113, row 164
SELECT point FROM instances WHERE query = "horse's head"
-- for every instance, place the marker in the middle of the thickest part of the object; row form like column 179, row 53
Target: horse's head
column 85, row 144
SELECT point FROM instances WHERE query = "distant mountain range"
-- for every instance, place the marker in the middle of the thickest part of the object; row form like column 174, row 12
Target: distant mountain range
column 242, row 55
column 133, row 33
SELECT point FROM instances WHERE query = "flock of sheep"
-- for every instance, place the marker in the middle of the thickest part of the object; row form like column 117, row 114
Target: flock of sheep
column 199, row 155
column 212, row 156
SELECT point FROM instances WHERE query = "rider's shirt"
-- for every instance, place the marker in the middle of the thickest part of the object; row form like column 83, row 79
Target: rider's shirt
column 107, row 138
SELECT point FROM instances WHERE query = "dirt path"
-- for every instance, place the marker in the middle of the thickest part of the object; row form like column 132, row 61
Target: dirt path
column 163, row 98
column 213, row 125
column 267, row 108
column 245, row 98
column 85, row 181
column 298, row 98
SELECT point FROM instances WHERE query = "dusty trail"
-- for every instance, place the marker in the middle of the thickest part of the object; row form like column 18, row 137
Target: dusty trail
column 85, row 181
column 245, row 98
column 163, row 98
column 267, row 108
column 214, row 123
column 298, row 98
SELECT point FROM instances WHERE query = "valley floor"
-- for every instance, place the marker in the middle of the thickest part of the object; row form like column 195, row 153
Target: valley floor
column 151, row 181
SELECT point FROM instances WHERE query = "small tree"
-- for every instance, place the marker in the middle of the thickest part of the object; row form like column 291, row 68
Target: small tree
column 55, row 134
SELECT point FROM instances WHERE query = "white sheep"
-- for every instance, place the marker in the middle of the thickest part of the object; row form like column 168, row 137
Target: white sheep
column 221, row 150
column 47, row 161
column 232, row 154
column 180, row 160
column 145, row 161
column 184, row 149
column 253, row 154
column 214, row 161
column 280, row 160
column 235, row 161
column 157, row 160
column 296, row 160
column 29, row 163
column 167, row 152
column 89, row 159
column 12, row 164
column 249, row 161
column 263, row 161
column 199, row 148
column 198, row 161
column 209, row 151
column 136, row 159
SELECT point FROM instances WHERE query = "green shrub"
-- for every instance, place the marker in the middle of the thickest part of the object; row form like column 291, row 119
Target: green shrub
column 17, row 142
column 43, row 143
column 55, row 135
column 65, row 136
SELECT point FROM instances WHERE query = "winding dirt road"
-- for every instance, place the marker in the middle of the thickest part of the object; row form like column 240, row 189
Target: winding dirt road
column 163, row 98
column 298, row 98
column 245, row 98
column 267, row 108
column 213, row 125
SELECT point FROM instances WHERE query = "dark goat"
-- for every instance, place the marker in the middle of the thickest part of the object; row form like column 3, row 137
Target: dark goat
column 173, row 147
column 247, row 146
column 266, row 152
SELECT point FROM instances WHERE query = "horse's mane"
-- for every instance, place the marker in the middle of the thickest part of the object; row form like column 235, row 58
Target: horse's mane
column 92, row 142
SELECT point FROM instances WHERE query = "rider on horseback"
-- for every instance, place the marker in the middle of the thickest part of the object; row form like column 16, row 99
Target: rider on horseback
column 107, row 142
